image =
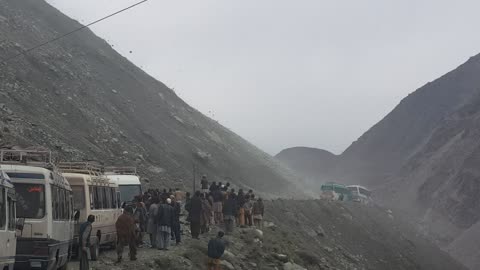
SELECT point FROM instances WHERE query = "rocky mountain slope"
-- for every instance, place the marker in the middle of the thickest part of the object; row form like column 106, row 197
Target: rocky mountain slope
column 81, row 99
column 423, row 158
column 299, row 235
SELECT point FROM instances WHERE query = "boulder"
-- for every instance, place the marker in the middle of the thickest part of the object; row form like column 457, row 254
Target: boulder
column 281, row 257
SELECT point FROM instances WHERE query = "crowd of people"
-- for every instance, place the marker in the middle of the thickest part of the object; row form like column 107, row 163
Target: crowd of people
column 157, row 213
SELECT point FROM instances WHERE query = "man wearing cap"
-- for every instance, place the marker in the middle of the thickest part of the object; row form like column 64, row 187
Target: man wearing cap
column 165, row 221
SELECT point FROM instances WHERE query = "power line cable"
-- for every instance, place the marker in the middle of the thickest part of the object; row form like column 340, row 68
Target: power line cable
column 73, row 31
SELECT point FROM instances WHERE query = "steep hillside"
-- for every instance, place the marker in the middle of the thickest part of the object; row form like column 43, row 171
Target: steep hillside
column 423, row 158
column 299, row 235
column 80, row 98
column 310, row 163
column 387, row 146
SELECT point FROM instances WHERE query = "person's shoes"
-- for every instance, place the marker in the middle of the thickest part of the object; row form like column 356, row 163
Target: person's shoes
column 133, row 259
column 119, row 260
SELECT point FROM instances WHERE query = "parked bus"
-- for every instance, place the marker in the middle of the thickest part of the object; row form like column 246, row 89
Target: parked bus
column 360, row 194
column 335, row 191
column 93, row 194
column 8, row 240
column 44, row 200
column 128, row 182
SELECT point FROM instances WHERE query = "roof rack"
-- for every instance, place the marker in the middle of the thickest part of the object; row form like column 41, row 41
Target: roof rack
column 121, row 170
column 90, row 168
column 37, row 158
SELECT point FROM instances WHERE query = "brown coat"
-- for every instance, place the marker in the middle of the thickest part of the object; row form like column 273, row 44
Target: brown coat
column 125, row 227
column 206, row 212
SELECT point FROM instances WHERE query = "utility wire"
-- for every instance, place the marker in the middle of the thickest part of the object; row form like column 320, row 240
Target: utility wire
column 71, row 32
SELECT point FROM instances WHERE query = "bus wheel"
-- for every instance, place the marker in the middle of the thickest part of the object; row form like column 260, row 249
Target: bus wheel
column 95, row 251
column 63, row 267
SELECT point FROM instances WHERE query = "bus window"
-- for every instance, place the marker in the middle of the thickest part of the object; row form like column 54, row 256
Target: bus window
column 11, row 214
column 3, row 209
column 129, row 192
column 119, row 200
column 113, row 198
column 98, row 199
column 92, row 197
column 63, row 205
column 78, row 197
column 106, row 198
column 30, row 200
column 55, row 204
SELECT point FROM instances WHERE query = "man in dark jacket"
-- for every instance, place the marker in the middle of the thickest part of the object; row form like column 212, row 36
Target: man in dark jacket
column 165, row 220
column 125, row 226
column 204, row 183
column 84, row 238
column 195, row 214
column 229, row 212
column 216, row 248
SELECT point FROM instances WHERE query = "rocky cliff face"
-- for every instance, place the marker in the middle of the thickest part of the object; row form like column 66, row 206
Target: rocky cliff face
column 423, row 158
column 81, row 99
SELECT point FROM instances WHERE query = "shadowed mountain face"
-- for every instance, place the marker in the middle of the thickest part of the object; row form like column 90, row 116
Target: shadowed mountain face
column 423, row 158
column 81, row 99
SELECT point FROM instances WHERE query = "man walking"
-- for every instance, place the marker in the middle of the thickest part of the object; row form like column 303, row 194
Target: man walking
column 229, row 211
column 85, row 233
column 126, row 234
column 176, row 221
column 216, row 248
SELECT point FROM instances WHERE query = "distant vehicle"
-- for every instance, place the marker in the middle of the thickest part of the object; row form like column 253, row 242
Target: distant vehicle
column 44, row 200
column 8, row 240
column 128, row 182
column 335, row 191
column 360, row 194
column 93, row 194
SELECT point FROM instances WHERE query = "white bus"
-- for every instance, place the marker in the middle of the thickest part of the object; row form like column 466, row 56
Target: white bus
column 8, row 240
column 128, row 182
column 44, row 200
column 93, row 194
column 360, row 194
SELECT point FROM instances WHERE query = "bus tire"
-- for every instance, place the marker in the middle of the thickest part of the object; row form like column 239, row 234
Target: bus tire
column 63, row 267
column 95, row 251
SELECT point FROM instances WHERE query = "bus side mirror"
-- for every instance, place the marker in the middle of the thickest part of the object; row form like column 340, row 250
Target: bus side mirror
column 76, row 215
column 20, row 224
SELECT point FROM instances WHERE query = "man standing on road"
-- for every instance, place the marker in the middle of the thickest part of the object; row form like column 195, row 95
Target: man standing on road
column 229, row 211
column 85, row 232
column 165, row 220
column 152, row 222
column 177, row 209
column 125, row 226
column 257, row 212
column 204, row 184
column 195, row 215
column 216, row 248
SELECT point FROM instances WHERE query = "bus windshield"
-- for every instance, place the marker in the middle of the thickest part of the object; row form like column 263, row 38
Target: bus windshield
column 78, row 197
column 128, row 192
column 30, row 200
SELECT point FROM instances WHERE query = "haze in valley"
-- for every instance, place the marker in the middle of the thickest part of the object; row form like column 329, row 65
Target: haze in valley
column 287, row 73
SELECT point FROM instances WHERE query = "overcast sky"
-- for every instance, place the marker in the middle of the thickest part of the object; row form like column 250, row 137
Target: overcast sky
column 290, row 73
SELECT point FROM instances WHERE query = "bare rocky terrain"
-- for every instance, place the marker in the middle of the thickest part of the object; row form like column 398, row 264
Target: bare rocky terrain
column 423, row 159
column 313, row 235
column 84, row 101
